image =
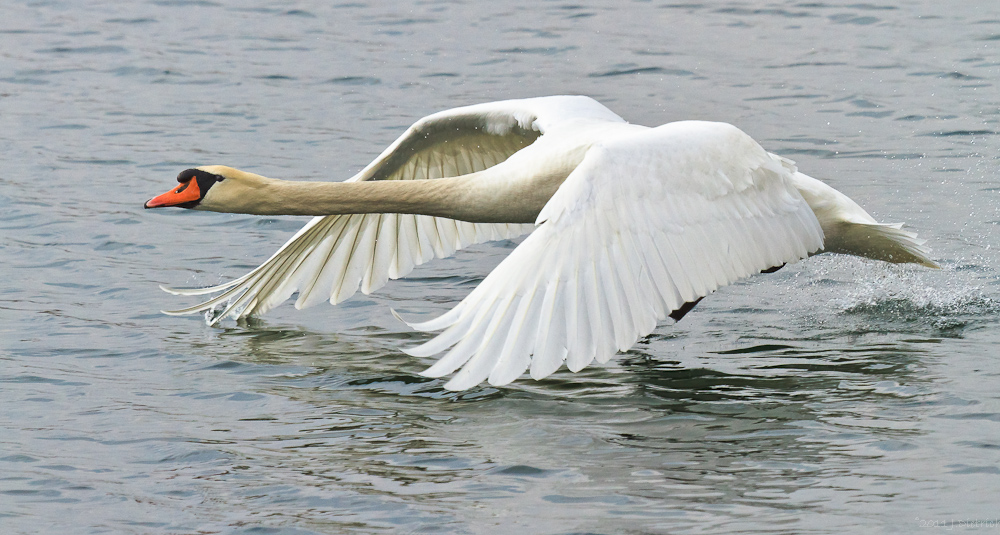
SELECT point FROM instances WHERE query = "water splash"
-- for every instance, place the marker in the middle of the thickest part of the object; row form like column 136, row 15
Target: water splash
column 942, row 300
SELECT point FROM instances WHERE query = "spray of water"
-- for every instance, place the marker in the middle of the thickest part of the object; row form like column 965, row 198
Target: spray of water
column 943, row 299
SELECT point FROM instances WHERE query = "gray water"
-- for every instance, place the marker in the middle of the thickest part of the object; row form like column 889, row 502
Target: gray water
column 835, row 396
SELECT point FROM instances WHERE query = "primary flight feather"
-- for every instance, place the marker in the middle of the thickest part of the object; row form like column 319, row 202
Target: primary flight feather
column 629, row 225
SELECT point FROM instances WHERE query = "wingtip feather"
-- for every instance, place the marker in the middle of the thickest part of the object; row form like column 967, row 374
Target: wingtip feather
column 398, row 317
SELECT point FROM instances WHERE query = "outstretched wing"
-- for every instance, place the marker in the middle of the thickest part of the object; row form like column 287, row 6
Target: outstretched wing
column 645, row 224
column 333, row 256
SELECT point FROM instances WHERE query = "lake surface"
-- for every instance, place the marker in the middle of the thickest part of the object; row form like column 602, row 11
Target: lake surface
column 835, row 396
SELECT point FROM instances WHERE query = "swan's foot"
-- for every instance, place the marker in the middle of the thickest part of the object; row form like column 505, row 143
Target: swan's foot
column 676, row 315
column 772, row 269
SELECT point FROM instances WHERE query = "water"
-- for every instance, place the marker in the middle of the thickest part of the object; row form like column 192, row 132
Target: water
column 836, row 395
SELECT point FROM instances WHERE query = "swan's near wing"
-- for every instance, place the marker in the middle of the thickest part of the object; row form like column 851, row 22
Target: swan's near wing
column 645, row 224
column 332, row 256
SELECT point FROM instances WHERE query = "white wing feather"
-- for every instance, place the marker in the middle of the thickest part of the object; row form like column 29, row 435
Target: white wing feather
column 334, row 256
column 646, row 223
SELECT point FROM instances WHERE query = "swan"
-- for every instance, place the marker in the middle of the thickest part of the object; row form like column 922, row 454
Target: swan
column 629, row 225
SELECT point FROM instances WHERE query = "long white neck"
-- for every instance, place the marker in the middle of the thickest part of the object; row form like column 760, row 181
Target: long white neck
column 502, row 194
column 513, row 191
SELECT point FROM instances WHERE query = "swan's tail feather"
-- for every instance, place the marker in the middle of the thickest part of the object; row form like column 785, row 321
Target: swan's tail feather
column 849, row 229
column 879, row 241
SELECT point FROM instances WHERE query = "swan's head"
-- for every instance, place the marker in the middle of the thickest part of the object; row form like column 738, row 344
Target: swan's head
column 215, row 188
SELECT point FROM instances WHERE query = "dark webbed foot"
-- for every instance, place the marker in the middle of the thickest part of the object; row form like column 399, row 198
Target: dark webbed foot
column 676, row 315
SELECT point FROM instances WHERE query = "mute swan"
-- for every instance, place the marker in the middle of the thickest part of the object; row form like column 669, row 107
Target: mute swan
column 629, row 225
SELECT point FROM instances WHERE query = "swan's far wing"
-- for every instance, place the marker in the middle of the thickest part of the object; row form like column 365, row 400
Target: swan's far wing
column 645, row 224
column 333, row 256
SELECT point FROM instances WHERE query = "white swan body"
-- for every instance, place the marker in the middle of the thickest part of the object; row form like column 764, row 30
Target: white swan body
column 629, row 225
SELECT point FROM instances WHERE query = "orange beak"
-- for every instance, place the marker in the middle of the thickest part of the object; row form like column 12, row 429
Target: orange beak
column 185, row 193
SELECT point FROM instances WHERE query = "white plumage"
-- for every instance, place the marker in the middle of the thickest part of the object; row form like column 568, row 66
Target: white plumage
column 631, row 235
column 642, row 221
